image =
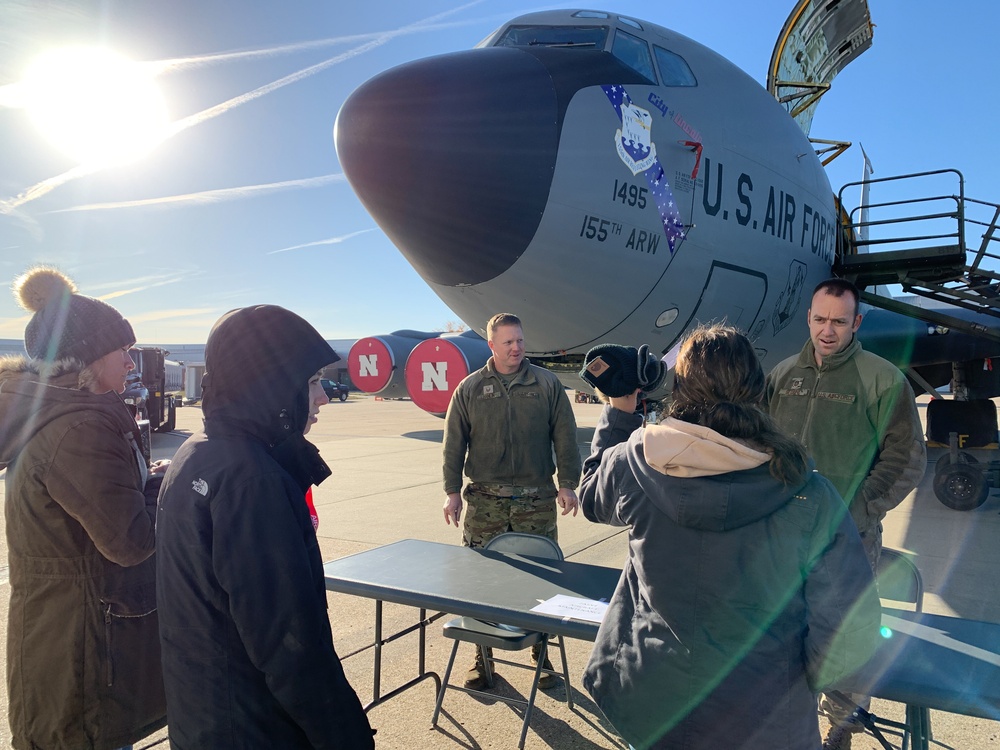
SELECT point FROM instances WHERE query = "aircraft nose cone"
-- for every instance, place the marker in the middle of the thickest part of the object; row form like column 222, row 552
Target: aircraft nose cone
column 453, row 156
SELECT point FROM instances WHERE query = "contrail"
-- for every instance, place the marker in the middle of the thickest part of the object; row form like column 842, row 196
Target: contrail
column 331, row 241
column 206, row 197
column 183, row 124
column 46, row 186
column 184, row 312
column 236, row 101
column 181, row 63
column 142, row 287
column 29, row 223
column 115, row 286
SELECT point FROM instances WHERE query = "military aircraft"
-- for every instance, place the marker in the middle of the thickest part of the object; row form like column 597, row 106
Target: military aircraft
column 611, row 180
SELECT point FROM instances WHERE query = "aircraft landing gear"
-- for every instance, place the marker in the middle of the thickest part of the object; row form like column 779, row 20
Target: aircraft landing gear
column 961, row 485
column 961, row 482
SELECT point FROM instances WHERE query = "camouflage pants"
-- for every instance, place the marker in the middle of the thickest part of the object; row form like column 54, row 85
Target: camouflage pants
column 488, row 515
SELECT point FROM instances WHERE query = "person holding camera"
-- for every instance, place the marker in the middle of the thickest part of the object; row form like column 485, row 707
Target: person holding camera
column 746, row 590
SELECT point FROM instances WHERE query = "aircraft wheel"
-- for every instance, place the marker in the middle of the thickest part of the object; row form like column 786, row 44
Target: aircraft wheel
column 945, row 461
column 961, row 487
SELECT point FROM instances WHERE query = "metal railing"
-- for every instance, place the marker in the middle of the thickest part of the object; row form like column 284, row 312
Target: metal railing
column 920, row 243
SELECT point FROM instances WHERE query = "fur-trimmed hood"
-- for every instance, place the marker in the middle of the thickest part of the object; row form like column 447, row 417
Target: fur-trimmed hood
column 34, row 393
column 17, row 363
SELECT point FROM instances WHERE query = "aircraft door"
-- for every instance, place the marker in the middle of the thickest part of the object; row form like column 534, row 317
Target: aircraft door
column 732, row 295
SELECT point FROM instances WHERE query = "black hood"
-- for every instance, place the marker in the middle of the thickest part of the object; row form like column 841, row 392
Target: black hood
column 258, row 361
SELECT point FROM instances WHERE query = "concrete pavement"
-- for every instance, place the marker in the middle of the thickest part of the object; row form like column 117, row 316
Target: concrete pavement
column 386, row 486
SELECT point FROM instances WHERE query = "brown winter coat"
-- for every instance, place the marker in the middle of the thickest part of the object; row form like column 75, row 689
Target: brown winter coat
column 83, row 657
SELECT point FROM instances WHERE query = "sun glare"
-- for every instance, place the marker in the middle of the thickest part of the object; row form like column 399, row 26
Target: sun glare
column 95, row 106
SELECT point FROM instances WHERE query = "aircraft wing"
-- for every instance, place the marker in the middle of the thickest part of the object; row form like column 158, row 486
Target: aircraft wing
column 817, row 41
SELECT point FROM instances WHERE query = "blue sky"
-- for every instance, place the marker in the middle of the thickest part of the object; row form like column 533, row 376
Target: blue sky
column 246, row 202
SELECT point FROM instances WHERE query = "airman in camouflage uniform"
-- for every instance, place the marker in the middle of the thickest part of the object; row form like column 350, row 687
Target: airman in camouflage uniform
column 503, row 423
column 855, row 414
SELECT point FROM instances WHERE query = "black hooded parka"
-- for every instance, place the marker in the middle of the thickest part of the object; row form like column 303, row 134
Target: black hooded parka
column 248, row 654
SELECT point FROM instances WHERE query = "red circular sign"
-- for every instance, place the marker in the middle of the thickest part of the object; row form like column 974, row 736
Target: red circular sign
column 370, row 364
column 434, row 369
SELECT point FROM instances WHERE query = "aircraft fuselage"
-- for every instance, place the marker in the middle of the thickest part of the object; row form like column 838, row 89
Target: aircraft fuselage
column 620, row 191
column 605, row 179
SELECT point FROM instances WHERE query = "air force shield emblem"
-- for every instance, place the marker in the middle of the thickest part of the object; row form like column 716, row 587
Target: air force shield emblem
column 634, row 139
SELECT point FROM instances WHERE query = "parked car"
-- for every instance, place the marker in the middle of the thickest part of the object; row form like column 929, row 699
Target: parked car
column 334, row 389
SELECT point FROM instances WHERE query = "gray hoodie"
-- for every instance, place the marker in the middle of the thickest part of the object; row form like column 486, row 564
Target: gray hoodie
column 740, row 599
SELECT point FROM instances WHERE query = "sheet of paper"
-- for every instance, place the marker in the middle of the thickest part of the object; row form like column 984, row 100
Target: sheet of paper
column 572, row 607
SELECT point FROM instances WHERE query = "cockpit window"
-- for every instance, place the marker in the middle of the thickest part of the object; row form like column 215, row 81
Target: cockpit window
column 586, row 37
column 630, row 22
column 674, row 70
column 634, row 52
column 590, row 14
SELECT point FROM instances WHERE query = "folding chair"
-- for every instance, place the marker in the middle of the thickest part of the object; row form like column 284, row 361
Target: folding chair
column 506, row 637
column 898, row 580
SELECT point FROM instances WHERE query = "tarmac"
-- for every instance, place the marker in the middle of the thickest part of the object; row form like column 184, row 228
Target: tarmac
column 387, row 486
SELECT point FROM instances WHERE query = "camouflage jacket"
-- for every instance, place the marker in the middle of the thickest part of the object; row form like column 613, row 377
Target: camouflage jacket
column 505, row 435
column 857, row 417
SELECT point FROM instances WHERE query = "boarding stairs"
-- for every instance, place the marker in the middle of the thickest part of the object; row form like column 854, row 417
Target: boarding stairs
column 920, row 243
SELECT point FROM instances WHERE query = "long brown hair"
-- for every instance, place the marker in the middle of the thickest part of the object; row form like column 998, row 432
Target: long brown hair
column 719, row 384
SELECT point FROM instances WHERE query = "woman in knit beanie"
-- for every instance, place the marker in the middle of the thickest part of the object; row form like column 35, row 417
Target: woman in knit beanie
column 69, row 326
column 83, row 662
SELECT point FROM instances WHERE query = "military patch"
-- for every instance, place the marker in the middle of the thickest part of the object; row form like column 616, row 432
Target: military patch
column 488, row 389
column 840, row 398
column 795, row 388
